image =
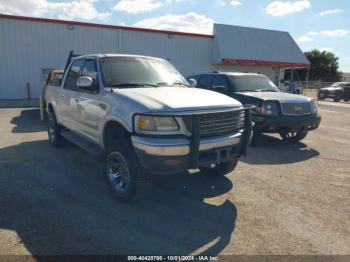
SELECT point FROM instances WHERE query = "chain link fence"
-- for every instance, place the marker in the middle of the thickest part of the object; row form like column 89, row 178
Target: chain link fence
column 310, row 88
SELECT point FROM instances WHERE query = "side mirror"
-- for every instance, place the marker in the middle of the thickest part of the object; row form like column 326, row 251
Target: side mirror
column 192, row 82
column 85, row 82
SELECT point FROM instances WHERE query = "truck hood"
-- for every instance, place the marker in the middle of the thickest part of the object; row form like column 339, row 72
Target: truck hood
column 178, row 98
column 278, row 96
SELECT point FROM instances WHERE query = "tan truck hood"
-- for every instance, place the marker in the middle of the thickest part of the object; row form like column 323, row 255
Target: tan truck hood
column 178, row 98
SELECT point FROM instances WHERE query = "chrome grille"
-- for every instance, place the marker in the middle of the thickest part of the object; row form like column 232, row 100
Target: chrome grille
column 221, row 123
column 298, row 109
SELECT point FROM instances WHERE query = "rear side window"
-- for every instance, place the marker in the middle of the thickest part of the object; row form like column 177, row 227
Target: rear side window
column 90, row 70
column 55, row 79
column 204, row 81
column 73, row 75
column 220, row 81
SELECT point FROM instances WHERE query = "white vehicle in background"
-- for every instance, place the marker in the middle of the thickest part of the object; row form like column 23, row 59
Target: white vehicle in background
column 145, row 118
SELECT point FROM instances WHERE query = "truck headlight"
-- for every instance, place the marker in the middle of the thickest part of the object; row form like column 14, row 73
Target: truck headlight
column 156, row 124
column 269, row 108
column 313, row 107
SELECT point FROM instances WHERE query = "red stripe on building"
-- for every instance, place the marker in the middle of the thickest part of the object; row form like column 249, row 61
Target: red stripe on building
column 66, row 22
column 264, row 63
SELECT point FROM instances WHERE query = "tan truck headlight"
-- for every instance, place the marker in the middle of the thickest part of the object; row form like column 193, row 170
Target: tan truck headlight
column 157, row 123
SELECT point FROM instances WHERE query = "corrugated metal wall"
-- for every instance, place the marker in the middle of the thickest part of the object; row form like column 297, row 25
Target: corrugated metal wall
column 28, row 47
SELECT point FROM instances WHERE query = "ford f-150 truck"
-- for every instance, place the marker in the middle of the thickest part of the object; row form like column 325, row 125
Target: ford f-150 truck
column 146, row 119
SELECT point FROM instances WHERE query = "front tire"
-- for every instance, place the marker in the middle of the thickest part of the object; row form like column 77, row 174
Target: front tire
column 293, row 136
column 53, row 129
column 129, row 180
column 221, row 169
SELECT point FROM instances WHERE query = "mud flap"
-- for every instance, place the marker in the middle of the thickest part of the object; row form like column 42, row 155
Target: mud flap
column 247, row 133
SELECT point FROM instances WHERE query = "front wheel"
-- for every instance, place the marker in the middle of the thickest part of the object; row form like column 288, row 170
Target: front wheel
column 221, row 169
column 128, row 179
column 293, row 136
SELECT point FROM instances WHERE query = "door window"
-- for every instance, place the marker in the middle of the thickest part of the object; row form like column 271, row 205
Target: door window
column 204, row 81
column 73, row 75
column 90, row 70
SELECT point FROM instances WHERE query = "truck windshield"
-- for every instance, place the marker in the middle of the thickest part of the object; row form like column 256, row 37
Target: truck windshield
column 251, row 83
column 136, row 72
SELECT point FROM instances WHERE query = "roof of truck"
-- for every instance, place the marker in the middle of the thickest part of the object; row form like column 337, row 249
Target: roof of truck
column 227, row 73
column 114, row 55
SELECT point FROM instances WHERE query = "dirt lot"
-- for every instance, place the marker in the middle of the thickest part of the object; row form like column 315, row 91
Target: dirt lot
column 282, row 199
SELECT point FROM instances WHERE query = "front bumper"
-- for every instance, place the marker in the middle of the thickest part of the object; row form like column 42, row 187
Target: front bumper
column 283, row 122
column 173, row 155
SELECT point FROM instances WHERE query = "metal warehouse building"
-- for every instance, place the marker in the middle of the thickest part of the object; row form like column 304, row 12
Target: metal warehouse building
column 31, row 47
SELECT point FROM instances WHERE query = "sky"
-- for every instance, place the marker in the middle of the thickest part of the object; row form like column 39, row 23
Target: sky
column 320, row 24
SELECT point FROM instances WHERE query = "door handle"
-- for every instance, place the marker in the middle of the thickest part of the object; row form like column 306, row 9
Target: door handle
column 102, row 106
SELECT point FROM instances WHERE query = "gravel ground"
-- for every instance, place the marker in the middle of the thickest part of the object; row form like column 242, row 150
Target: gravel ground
column 282, row 199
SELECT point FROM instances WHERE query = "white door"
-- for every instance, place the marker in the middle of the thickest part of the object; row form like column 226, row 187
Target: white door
column 91, row 109
column 69, row 96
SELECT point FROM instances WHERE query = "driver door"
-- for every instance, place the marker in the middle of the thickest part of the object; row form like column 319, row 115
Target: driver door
column 68, row 101
column 91, row 108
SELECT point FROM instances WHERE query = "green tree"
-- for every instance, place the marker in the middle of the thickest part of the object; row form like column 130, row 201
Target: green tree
column 324, row 66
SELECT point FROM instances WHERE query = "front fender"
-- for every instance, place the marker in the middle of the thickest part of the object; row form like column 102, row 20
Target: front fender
column 112, row 118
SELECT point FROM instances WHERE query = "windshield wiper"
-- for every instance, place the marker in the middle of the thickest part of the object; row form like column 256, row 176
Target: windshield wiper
column 168, row 84
column 266, row 90
column 249, row 90
column 258, row 90
column 180, row 84
column 131, row 84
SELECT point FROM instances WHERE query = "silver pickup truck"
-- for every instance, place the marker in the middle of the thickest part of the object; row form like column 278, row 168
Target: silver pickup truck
column 146, row 119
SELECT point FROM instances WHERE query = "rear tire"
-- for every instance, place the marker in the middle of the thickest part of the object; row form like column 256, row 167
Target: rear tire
column 293, row 136
column 336, row 99
column 129, row 180
column 221, row 169
column 53, row 129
